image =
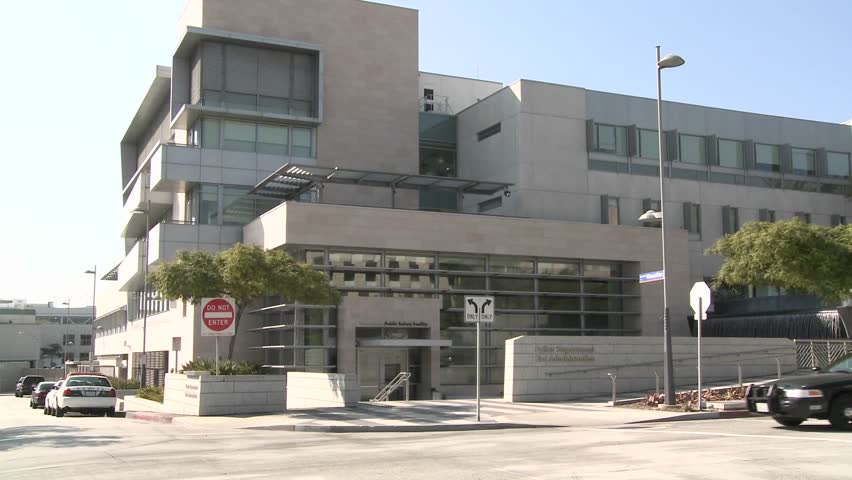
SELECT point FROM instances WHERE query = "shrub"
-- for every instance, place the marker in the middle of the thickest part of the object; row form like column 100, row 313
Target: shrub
column 151, row 392
column 226, row 367
column 124, row 384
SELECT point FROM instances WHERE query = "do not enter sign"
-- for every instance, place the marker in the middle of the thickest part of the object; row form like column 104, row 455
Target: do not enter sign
column 217, row 317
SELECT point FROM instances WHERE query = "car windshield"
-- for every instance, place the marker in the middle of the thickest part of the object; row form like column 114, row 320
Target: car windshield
column 43, row 387
column 844, row 365
column 87, row 382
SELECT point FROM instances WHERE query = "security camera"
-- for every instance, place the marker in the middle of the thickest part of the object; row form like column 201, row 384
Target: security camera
column 507, row 193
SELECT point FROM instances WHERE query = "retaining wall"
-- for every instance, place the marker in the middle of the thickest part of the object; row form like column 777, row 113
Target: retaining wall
column 546, row 369
column 202, row 394
column 322, row 390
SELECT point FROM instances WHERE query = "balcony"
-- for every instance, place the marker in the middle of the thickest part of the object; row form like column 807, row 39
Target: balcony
column 166, row 240
column 137, row 199
column 174, row 168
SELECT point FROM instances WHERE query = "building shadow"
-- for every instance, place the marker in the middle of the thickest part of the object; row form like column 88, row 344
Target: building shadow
column 51, row 436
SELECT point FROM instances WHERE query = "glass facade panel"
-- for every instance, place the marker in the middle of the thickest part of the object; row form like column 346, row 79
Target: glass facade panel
column 513, row 321
column 559, row 303
column 461, row 263
column 559, row 286
column 514, row 302
column 511, row 265
column 512, row 284
column 239, row 136
column 804, row 161
column 208, row 204
column 302, row 145
column 837, row 164
column 410, row 261
column 602, row 287
column 460, row 282
column 272, row 139
column 558, row 267
column 404, row 280
column 692, row 150
column 355, row 259
column 210, row 133
column 731, row 153
column 601, row 269
column 315, row 257
column 560, row 320
column 611, row 139
column 649, row 144
column 767, row 157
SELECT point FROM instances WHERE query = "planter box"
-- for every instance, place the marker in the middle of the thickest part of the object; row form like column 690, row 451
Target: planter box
column 322, row 390
column 202, row 394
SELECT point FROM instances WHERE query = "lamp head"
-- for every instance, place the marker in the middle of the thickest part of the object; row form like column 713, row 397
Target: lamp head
column 90, row 272
column 670, row 61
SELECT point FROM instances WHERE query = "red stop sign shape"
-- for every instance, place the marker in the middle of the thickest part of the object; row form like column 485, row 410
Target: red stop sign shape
column 217, row 315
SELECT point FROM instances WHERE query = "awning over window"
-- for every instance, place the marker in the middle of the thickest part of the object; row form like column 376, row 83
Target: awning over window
column 292, row 180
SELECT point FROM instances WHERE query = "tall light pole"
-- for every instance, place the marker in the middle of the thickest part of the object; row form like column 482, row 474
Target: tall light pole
column 147, row 212
column 65, row 337
column 94, row 273
column 669, row 61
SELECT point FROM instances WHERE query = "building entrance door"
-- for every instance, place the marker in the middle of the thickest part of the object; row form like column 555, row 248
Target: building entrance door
column 378, row 367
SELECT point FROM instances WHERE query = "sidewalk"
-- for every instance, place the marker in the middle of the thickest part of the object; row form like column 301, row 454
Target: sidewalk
column 432, row 416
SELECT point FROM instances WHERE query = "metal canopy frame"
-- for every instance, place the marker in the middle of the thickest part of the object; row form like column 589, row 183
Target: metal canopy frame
column 292, row 180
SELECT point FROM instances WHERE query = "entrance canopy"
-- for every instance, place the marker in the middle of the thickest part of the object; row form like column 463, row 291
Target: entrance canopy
column 291, row 180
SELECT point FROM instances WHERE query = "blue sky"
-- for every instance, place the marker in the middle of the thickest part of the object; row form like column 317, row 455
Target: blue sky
column 76, row 70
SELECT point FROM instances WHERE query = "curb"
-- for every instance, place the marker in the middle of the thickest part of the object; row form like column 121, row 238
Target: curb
column 699, row 416
column 396, row 428
column 148, row 417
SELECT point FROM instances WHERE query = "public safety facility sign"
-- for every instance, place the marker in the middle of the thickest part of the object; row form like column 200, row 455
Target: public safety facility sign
column 217, row 317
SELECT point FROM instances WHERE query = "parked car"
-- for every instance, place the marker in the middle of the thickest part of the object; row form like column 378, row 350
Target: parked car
column 825, row 394
column 49, row 398
column 40, row 393
column 26, row 383
column 90, row 394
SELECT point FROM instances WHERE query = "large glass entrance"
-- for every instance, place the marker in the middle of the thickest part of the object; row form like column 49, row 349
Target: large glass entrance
column 378, row 367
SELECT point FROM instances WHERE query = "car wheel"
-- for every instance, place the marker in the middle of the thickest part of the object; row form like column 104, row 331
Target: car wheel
column 110, row 412
column 789, row 421
column 841, row 412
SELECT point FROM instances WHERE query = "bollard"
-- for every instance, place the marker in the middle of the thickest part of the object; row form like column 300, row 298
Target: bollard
column 613, row 387
column 740, row 374
column 778, row 362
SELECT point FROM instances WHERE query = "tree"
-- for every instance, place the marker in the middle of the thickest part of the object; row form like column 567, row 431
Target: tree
column 244, row 273
column 51, row 351
column 790, row 254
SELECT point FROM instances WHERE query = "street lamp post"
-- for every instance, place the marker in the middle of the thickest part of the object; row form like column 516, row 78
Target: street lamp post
column 669, row 61
column 147, row 212
column 65, row 337
column 94, row 273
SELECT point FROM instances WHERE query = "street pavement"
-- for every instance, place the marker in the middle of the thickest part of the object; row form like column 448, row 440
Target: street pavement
column 597, row 446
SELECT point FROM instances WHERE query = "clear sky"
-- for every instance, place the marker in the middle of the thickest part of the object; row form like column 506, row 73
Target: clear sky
column 75, row 71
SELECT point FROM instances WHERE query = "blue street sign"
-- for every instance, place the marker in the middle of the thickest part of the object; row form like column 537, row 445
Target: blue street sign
column 652, row 276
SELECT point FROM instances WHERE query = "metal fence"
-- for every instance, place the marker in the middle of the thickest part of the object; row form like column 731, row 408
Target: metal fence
column 820, row 353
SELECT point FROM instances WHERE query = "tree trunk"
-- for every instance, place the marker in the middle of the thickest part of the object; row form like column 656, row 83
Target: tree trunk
column 233, row 341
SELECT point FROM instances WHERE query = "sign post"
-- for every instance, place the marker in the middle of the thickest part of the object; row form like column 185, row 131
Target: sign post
column 176, row 348
column 217, row 320
column 699, row 300
column 478, row 309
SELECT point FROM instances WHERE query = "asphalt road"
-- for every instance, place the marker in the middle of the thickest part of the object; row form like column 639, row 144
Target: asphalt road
column 36, row 446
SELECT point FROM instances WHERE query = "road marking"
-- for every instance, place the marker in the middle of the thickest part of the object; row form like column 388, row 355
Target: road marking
column 714, row 434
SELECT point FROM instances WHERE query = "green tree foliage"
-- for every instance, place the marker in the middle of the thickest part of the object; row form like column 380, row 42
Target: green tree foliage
column 790, row 254
column 244, row 273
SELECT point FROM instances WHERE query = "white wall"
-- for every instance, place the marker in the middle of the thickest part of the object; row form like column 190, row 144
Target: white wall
column 460, row 92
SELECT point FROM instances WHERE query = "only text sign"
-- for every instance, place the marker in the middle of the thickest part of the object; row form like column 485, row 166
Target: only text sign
column 478, row 309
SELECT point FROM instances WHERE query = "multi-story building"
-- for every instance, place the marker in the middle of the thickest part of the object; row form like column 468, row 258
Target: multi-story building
column 306, row 126
column 44, row 335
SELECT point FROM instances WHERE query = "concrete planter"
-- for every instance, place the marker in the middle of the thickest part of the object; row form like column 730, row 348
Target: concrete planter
column 202, row 394
column 322, row 390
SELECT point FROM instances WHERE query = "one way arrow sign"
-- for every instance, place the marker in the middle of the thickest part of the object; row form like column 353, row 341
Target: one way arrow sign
column 478, row 309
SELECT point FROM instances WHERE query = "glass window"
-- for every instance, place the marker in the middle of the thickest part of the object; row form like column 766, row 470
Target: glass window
column 510, row 265
column 767, row 157
column 237, row 206
column 210, row 133
column 514, row 302
column 804, row 162
column 692, row 217
column 461, row 263
column 838, row 164
column 731, row 153
column 240, row 101
column 647, row 170
column 559, row 320
column 68, row 339
column 611, row 139
column 692, row 149
column 512, row 284
column 239, row 136
column 208, row 204
column 559, row 286
column 602, row 287
column 649, row 144
column 805, row 217
column 85, row 339
column 404, row 280
column 301, row 108
column 272, row 139
column 410, row 261
column 601, row 269
column 302, row 146
column 354, row 259
column 612, row 210
column 558, row 267
column 274, row 105
column 559, row 303
column 730, row 220
column 460, row 282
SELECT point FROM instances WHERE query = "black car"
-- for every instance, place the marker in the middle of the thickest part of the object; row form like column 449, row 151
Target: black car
column 25, row 385
column 826, row 395
column 39, row 394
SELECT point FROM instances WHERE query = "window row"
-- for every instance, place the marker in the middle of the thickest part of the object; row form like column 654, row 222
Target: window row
column 703, row 150
column 208, row 204
column 464, row 263
column 252, row 137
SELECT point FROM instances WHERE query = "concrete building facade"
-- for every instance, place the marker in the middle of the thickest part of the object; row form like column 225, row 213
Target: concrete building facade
column 44, row 335
column 306, row 126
